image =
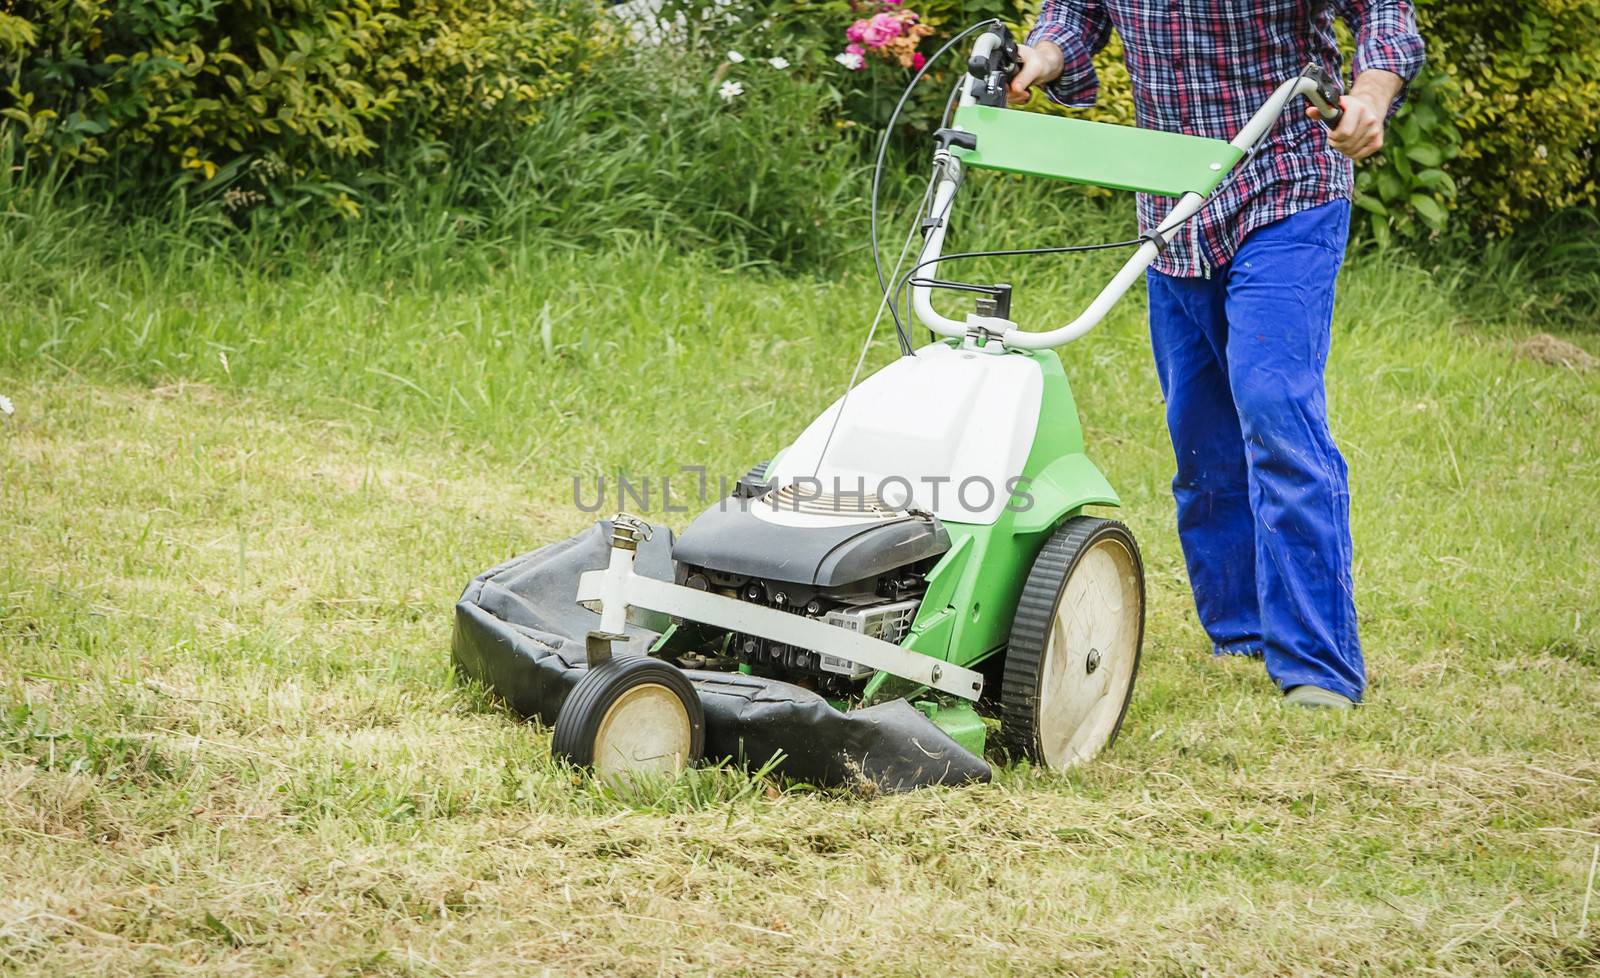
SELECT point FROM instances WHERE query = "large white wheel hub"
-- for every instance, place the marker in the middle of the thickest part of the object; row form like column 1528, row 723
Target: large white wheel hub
column 1091, row 652
column 646, row 733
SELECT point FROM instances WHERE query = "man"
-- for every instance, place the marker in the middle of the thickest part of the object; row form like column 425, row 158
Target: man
column 1241, row 303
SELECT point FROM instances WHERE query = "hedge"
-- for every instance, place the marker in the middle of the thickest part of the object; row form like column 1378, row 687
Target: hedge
column 255, row 97
column 279, row 91
column 1523, row 87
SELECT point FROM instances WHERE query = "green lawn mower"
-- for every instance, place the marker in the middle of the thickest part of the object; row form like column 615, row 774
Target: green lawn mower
column 917, row 569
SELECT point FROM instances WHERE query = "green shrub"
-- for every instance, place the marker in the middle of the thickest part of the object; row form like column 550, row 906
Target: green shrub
column 1502, row 125
column 255, row 95
column 266, row 106
column 1406, row 190
column 1525, row 93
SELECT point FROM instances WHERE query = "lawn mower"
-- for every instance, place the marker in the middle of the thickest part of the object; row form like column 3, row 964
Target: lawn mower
column 917, row 569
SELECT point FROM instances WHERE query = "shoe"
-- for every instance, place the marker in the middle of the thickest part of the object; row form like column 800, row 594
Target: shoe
column 1317, row 698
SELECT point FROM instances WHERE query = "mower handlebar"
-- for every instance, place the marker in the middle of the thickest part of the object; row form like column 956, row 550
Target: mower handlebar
column 1312, row 83
column 993, row 63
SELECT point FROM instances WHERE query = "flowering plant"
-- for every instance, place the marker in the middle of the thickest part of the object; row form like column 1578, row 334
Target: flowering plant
column 888, row 31
column 730, row 88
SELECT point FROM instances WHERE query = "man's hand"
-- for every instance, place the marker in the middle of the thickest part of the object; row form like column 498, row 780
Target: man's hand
column 1360, row 130
column 1041, row 65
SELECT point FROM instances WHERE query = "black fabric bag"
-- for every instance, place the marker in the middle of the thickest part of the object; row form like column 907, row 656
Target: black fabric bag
column 520, row 631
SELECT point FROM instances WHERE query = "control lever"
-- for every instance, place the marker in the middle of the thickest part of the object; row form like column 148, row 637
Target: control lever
column 1326, row 97
column 991, row 73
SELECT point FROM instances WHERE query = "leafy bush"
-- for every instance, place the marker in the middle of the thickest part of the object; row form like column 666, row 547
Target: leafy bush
column 1525, row 94
column 1407, row 190
column 870, row 73
column 264, row 106
column 1503, row 123
column 257, row 95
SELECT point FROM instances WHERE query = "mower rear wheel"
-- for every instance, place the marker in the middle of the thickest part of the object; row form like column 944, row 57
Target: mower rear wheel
column 1075, row 644
column 631, row 717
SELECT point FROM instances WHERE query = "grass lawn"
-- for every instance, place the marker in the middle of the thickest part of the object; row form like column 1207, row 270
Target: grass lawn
column 235, row 510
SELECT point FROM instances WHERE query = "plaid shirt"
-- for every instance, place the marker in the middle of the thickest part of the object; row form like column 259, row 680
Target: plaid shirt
column 1203, row 67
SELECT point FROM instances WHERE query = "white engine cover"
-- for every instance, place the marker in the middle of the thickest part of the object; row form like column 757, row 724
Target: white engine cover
column 952, row 427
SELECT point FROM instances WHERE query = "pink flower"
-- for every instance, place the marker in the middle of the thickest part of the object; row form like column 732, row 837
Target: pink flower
column 917, row 61
column 856, row 31
column 855, row 49
column 880, row 30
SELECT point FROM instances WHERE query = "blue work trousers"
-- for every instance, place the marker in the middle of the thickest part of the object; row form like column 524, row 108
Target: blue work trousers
column 1262, row 492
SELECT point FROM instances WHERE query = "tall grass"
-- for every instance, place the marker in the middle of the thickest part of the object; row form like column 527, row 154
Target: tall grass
column 645, row 148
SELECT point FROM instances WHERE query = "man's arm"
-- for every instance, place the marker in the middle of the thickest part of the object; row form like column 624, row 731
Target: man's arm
column 1060, row 50
column 1388, row 55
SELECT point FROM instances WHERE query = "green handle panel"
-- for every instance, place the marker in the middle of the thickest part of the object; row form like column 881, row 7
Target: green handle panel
column 1098, row 153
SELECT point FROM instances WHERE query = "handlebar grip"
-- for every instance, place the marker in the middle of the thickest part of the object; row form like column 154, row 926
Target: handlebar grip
column 1326, row 97
column 994, row 62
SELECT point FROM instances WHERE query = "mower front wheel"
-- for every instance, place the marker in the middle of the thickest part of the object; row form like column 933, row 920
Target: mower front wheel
column 631, row 717
column 1075, row 643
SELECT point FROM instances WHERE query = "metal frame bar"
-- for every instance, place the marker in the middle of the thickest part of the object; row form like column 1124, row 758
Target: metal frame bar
column 618, row 588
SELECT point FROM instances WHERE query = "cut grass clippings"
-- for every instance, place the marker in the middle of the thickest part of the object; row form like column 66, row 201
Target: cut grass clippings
column 237, row 508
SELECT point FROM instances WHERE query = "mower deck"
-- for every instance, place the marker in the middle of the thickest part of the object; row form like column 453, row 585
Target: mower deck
column 520, row 633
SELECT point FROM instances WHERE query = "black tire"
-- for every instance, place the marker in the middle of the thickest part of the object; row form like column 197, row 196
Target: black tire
column 1023, row 701
column 584, row 715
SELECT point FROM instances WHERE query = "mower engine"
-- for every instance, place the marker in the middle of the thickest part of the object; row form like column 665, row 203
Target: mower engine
column 851, row 561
